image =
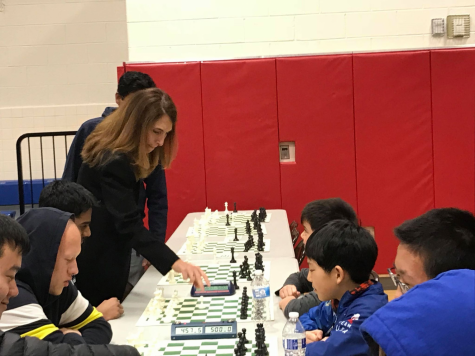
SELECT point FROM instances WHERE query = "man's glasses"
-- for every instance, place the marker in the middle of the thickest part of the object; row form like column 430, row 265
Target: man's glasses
column 392, row 273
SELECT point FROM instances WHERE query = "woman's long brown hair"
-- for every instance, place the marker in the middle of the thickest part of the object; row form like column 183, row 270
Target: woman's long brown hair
column 125, row 131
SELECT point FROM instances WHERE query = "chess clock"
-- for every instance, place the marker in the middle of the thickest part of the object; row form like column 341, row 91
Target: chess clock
column 216, row 289
column 225, row 329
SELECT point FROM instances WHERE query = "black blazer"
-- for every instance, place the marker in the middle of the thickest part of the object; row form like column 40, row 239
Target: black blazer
column 116, row 228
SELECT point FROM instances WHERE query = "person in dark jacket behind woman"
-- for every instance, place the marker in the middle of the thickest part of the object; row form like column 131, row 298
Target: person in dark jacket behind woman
column 123, row 149
column 13, row 243
column 49, row 305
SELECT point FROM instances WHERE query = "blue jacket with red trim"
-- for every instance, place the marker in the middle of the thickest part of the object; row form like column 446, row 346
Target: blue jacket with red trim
column 342, row 323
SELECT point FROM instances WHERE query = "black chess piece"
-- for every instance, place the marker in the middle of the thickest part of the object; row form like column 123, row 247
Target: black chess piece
column 235, row 234
column 241, row 272
column 236, row 287
column 235, row 210
column 227, row 220
column 244, row 336
column 249, row 277
column 232, row 256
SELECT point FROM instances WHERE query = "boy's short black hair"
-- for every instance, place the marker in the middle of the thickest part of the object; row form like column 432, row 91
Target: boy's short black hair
column 319, row 212
column 131, row 82
column 13, row 235
column 67, row 196
column 443, row 238
column 345, row 244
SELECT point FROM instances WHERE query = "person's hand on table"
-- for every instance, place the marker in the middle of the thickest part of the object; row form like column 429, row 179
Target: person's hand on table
column 313, row 336
column 283, row 303
column 289, row 290
column 191, row 272
column 111, row 309
column 69, row 331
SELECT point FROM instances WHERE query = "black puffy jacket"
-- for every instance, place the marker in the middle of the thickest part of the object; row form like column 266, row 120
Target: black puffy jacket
column 13, row 345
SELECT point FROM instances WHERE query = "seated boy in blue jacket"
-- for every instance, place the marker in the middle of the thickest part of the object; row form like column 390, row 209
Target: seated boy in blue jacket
column 435, row 276
column 340, row 257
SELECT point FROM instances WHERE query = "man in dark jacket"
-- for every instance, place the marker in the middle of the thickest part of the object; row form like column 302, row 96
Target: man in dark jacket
column 156, row 192
column 13, row 243
column 48, row 305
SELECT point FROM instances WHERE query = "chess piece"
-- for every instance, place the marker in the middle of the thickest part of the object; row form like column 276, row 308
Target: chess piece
column 244, row 336
column 235, row 210
column 235, row 235
column 227, row 220
column 171, row 277
column 175, row 298
column 226, row 208
column 236, row 287
column 232, row 256
column 201, row 304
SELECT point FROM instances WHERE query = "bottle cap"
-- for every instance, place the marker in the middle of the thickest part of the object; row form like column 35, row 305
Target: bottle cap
column 293, row 315
column 258, row 272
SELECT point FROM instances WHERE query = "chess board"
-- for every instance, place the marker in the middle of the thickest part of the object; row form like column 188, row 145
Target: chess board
column 223, row 249
column 215, row 272
column 240, row 218
column 214, row 309
column 215, row 347
column 220, row 231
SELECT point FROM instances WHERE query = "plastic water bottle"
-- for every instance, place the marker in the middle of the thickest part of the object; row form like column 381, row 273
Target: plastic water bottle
column 260, row 296
column 293, row 336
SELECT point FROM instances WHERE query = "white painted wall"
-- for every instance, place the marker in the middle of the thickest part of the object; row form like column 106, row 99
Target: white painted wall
column 162, row 30
column 57, row 59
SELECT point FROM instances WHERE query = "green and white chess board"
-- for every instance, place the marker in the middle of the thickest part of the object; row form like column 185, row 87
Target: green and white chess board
column 217, row 272
column 189, row 310
column 241, row 218
column 223, row 249
column 220, row 231
column 217, row 347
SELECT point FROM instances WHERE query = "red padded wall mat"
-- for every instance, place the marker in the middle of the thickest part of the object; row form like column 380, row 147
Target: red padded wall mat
column 315, row 106
column 394, row 156
column 453, row 115
column 241, row 133
column 186, row 177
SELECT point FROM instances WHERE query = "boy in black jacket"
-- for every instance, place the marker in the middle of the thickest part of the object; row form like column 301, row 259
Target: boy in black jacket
column 13, row 243
column 297, row 293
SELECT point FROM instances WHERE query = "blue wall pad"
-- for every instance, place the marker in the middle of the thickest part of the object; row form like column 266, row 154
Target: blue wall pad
column 9, row 191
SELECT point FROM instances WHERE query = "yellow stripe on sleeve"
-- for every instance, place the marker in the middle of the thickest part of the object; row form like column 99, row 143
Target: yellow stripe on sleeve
column 41, row 332
column 95, row 314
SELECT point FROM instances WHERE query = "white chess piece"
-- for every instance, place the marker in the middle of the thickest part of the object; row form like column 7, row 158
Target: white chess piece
column 175, row 297
column 171, row 277
column 189, row 246
column 201, row 304
column 158, row 293
column 226, row 208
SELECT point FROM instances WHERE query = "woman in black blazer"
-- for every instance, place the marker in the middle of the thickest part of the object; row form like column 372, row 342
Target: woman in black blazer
column 123, row 149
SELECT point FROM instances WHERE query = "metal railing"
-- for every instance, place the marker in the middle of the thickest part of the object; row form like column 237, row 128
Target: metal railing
column 41, row 136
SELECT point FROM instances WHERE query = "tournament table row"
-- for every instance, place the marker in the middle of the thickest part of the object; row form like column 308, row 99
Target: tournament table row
column 282, row 263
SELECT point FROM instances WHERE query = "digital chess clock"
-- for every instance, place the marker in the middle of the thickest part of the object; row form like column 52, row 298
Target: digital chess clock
column 225, row 329
column 216, row 289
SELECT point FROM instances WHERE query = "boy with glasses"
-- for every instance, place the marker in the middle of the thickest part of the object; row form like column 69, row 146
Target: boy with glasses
column 435, row 275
